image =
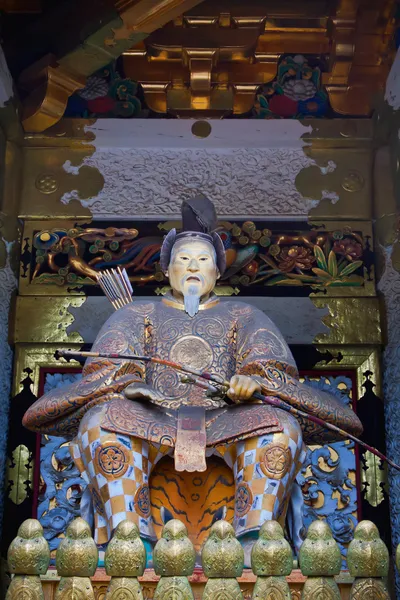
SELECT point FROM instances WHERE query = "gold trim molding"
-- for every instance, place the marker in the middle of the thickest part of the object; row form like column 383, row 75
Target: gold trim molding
column 35, row 357
column 358, row 358
column 49, row 85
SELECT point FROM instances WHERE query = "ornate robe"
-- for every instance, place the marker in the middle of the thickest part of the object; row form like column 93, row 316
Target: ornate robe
column 225, row 338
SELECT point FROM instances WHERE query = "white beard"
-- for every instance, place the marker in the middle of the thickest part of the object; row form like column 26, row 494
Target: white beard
column 191, row 301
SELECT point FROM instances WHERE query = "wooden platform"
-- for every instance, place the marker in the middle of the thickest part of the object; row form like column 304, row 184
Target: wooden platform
column 149, row 581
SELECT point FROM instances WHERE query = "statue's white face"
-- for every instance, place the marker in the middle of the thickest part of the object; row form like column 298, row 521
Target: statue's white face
column 193, row 268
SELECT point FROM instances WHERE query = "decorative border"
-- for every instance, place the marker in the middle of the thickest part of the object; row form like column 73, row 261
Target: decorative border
column 260, row 259
column 36, row 357
column 360, row 359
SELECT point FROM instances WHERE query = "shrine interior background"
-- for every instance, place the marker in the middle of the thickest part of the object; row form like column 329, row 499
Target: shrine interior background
column 286, row 116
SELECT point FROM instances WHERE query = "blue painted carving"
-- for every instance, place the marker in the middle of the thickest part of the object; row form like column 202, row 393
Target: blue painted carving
column 326, row 476
column 62, row 486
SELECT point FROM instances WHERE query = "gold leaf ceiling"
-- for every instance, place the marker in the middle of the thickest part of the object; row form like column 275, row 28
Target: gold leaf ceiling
column 205, row 58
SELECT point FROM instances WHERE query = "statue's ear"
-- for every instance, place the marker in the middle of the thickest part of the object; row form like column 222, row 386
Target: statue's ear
column 218, row 273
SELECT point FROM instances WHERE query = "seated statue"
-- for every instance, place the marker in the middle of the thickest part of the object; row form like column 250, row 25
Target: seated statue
column 125, row 415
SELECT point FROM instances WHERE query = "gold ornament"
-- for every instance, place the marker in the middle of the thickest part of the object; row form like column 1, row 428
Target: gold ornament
column 271, row 560
column 29, row 552
column 28, row 557
column 25, row 587
column 222, row 589
column 46, row 183
column 353, row 182
column 320, row 588
column 125, row 555
column 173, row 588
column 369, row 589
column 222, row 555
column 374, row 478
column 367, row 555
column 398, row 557
column 174, row 559
column 271, row 554
column 100, row 591
column 74, row 588
column 19, row 474
column 271, row 587
column 368, row 561
column 222, row 559
column 319, row 554
column 124, row 588
column 77, row 554
column 174, row 553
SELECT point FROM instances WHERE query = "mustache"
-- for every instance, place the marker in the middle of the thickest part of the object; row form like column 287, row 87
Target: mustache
column 189, row 278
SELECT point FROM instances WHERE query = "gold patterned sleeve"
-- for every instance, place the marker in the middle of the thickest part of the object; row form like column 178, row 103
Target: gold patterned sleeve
column 263, row 354
column 60, row 410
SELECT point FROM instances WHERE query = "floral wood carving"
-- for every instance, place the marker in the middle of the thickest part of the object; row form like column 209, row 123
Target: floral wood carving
column 296, row 91
column 256, row 257
column 106, row 94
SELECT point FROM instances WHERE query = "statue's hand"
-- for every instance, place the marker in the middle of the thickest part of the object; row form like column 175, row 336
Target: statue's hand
column 242, row 388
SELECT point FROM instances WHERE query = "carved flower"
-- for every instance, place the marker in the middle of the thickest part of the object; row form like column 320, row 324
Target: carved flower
column 316, row 106
column 101, row 105
column 295, row 256
column 341, row 526
column 96, row 87
column 299, row 89
column 348, row 248
column 283, row 106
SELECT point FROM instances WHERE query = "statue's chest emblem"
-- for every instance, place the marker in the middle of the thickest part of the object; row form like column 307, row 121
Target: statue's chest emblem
column 192, row 350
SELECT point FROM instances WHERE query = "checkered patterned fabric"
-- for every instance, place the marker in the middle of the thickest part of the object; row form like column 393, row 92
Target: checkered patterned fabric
column 264, row 470
column 117, row 469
